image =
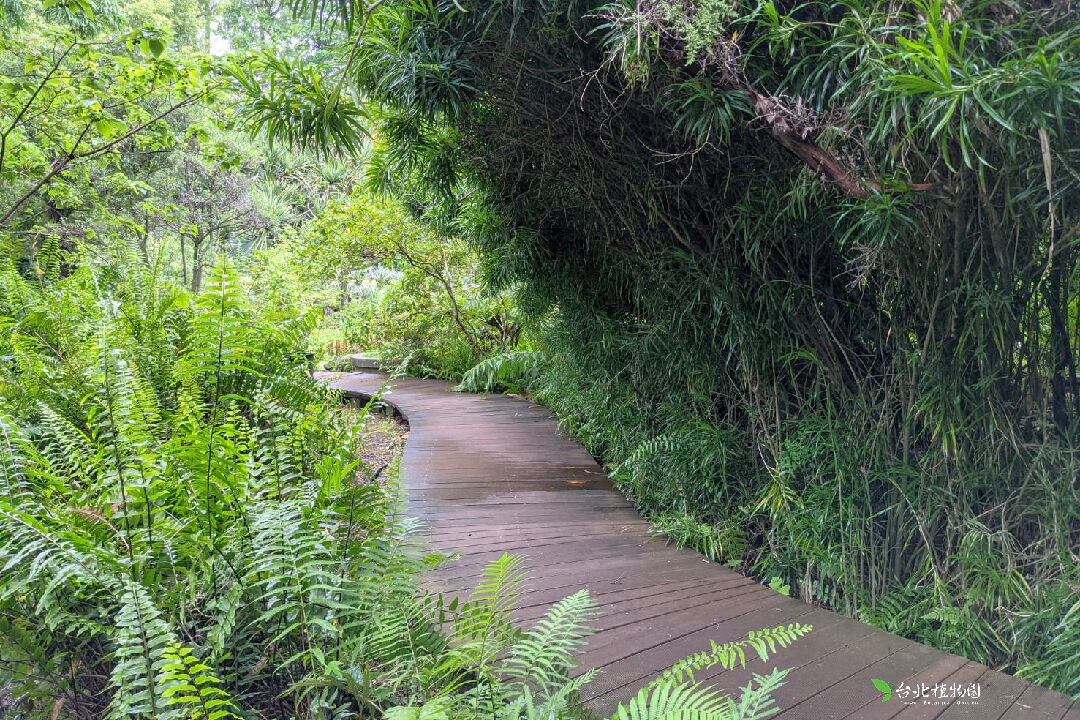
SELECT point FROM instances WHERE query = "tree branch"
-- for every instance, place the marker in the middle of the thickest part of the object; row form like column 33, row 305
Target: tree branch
column 29, row 103
column 824, row 164
column 61, row 163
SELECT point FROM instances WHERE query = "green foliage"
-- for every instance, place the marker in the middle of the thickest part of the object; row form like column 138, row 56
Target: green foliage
column 777, row 584
column 184, row 529
column 186, row 533
column 704, row 114
column 251, row 25
column 731, row 654
column 507, row 370
column 806, row 269
column 719, row 543
column 676, row 692
column 1053, row 663
column 186, row 521
column 406, row 290
column 697, row 24
column 296, row 106
column 70, row 104
column 190, row 683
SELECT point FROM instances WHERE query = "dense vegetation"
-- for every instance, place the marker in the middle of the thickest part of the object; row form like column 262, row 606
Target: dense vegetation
column 186, row 532
column 803, row 273
column 409, row 293
column 186, row 527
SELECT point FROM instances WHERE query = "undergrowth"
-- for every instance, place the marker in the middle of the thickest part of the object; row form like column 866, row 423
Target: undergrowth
column 982, row 570
column 187, row 532
column 184, row 528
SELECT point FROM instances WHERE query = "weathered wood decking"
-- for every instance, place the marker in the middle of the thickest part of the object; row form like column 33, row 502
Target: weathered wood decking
column 491, row 474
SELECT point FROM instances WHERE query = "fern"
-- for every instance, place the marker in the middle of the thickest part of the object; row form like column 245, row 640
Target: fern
column 50, row 564
column 14, row 447
column 435, row 709
column 515, row 368
column 728, row 655
column 677, row 695
column 545, row 654
column 68, row 448
column 191, row 688
column 756, row 699
column 560, row 703
column 485, row 618
column 676, row 701
column 208, row 493
column 138, row 677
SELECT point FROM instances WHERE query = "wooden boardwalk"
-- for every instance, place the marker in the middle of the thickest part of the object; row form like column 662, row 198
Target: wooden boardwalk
column 491, row 474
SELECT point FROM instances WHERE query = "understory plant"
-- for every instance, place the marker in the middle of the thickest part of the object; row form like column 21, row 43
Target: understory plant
column 187, row 532
column 492, row 668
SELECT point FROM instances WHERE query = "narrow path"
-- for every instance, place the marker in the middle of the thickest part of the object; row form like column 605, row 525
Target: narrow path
column 492, row 474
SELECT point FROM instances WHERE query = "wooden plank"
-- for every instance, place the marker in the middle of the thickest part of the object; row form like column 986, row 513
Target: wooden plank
column 940, row 670
column 997, row 693
column 471, row 566
column 537, row 601
column 912, row 709
column 841, row 699
column 1035, row 704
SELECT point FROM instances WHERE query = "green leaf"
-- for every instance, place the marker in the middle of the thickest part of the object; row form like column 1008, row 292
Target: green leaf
column 109, row 128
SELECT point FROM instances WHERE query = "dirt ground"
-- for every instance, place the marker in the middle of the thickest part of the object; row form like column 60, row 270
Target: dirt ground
column 382, row 440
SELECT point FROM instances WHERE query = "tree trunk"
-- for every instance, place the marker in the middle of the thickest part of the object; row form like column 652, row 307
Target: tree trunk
column 183, row 256
column 196, row 265
column 144, row 238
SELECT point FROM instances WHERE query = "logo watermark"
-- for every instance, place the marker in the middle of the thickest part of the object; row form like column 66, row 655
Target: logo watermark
column 929, row 694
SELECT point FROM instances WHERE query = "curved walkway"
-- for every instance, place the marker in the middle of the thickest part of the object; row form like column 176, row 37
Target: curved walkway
column 492, row 474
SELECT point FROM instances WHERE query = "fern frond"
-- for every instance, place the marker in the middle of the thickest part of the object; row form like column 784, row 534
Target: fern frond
column 563, row 702
column 190, row 687
column 38, row 560
column 756, row 699
column 223, row 348
column 516, row 367
column 14, row 449
column 763, row 642
column 139, row 679
column 545, row 654
column 68, row 448
column 673, row 700
column 486, row 616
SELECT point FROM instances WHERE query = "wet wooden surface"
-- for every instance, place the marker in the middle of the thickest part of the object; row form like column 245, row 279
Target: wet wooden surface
column 491, row 474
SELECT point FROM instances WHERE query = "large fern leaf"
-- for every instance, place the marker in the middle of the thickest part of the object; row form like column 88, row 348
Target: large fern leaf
column 514, row 368
column 544, row 655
